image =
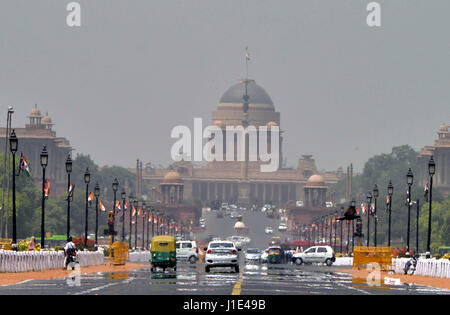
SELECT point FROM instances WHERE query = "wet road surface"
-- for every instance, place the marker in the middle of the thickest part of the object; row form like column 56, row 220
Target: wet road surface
column 281, row 279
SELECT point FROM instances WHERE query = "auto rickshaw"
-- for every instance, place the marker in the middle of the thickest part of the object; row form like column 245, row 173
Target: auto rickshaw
column 274, row 255
column 163, row 252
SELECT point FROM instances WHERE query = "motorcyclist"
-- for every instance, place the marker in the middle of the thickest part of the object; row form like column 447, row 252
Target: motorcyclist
column 69, row 249
column 411, row 263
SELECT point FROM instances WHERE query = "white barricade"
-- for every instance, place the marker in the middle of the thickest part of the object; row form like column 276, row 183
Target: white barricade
column 11, row 261
column 143, row 256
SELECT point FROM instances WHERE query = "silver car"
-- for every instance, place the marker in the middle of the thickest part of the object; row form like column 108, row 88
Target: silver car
column 253, row 255
column 221, row 254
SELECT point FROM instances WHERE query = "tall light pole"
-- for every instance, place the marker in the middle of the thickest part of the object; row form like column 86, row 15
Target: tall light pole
column 390, row 193
column 417, row 226
column 5, row 183
column 124, row 196
column 13, row 144
column 409, row 180
column 68, row 171
column 97, row 195
column 335, row 230
column 375, row 196
column 135, row 224
column 44, row 163
column 143, row 224
column 341, row 221
column 115, row 186
column 431, row 171
column 130, row 198
column 87, row 179
column 369, row 204
column 353, row 204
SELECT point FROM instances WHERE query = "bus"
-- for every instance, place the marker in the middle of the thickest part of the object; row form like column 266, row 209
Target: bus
column 54, row 240
column 443, row 250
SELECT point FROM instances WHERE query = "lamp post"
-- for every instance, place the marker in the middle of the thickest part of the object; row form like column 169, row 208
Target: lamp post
column 417, row 226
column 68, row 171
column 123, row 195
column 115, row 187
column 431, row 171
column 135, row 224
column 409, row 180
column 335, row 216
column 148, row 227
column 143, row 224
column 331, row 229
column 342, row 213
column 390, row 193
column 13, row 144
column 375, row 196
column 87, row 179
column 130, row 198
column 96, row 194
column 369, row 204
column 353, row 204
column 44, row 163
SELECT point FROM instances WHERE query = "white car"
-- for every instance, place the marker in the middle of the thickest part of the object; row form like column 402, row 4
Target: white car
column 253, row 255
column 221, row 254
column 233, row 215
column 282, row 227
column 237, row 240
column 268, row 230
column 315, row 254
column 187, row 250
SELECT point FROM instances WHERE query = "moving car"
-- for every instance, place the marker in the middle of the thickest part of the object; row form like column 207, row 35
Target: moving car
column 233, row 215
column 315, row 254
column 268, row 230
column 282, row 227
column 219, row 214
column 221, row 254
column 264, row 255
column 187, row 250
column 253, row 255
column 237, row 240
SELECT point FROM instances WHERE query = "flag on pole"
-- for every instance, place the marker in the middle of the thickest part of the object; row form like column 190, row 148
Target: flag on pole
column 71, row 189
column 24, row 164
column 47, row 188
column 150, row 219
column 90, row 198
column 155, row 220
column 388, row 202
column 133, row 212
column 101, row 206
column 125, row 206
column 247, row 54
column 118, row 207
column 140, row 211
column 364, row 208
column 426, row 192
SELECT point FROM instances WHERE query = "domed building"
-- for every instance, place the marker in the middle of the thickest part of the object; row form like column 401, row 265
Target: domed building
column 441, row 155
column 37, row 133
column 242, row 182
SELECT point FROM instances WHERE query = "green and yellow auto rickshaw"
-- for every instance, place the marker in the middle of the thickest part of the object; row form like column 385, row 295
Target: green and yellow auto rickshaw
column 274, row 255
column 163, row 252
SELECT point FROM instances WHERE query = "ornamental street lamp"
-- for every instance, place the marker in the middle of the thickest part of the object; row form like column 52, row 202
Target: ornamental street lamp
column 96, row 194
column 13, row 144
column 115, row 186
column 131, row 199
column 335, row 230
column 68, row 171
column 143, row 223
column 353, row 204
column 44, row 163
column 342, row 213
column 417, row 227
column 409, row 180
column 123, row 195
column 136, row 203
column 375, row 196
column 431, row 171
column 369, row 202
column 390, row 193
column 87, row 179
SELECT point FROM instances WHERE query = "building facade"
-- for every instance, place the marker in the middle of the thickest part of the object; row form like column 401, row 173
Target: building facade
column 441, row 155
column 241, row 182
column 36, row 134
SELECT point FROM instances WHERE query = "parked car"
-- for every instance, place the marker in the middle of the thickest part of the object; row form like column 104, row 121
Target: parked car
column 315, row 254
column 233, row 215
column 187, row 250
column 253, row 255
column 221, row 254
column 268, row 230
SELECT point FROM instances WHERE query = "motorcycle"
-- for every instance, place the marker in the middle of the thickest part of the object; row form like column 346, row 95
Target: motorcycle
column 71, row 259
column 410, row 266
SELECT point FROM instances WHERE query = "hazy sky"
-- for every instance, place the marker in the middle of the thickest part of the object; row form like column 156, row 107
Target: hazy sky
column 116, row 86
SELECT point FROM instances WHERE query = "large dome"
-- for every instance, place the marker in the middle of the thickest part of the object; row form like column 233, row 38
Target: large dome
column 257, row 95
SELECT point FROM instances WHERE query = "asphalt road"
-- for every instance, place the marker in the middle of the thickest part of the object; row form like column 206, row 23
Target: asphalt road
column 256, row 279
column 189, row 280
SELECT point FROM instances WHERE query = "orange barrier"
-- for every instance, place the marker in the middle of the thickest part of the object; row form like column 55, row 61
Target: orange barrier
column 119, row 253
column 365, row 255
